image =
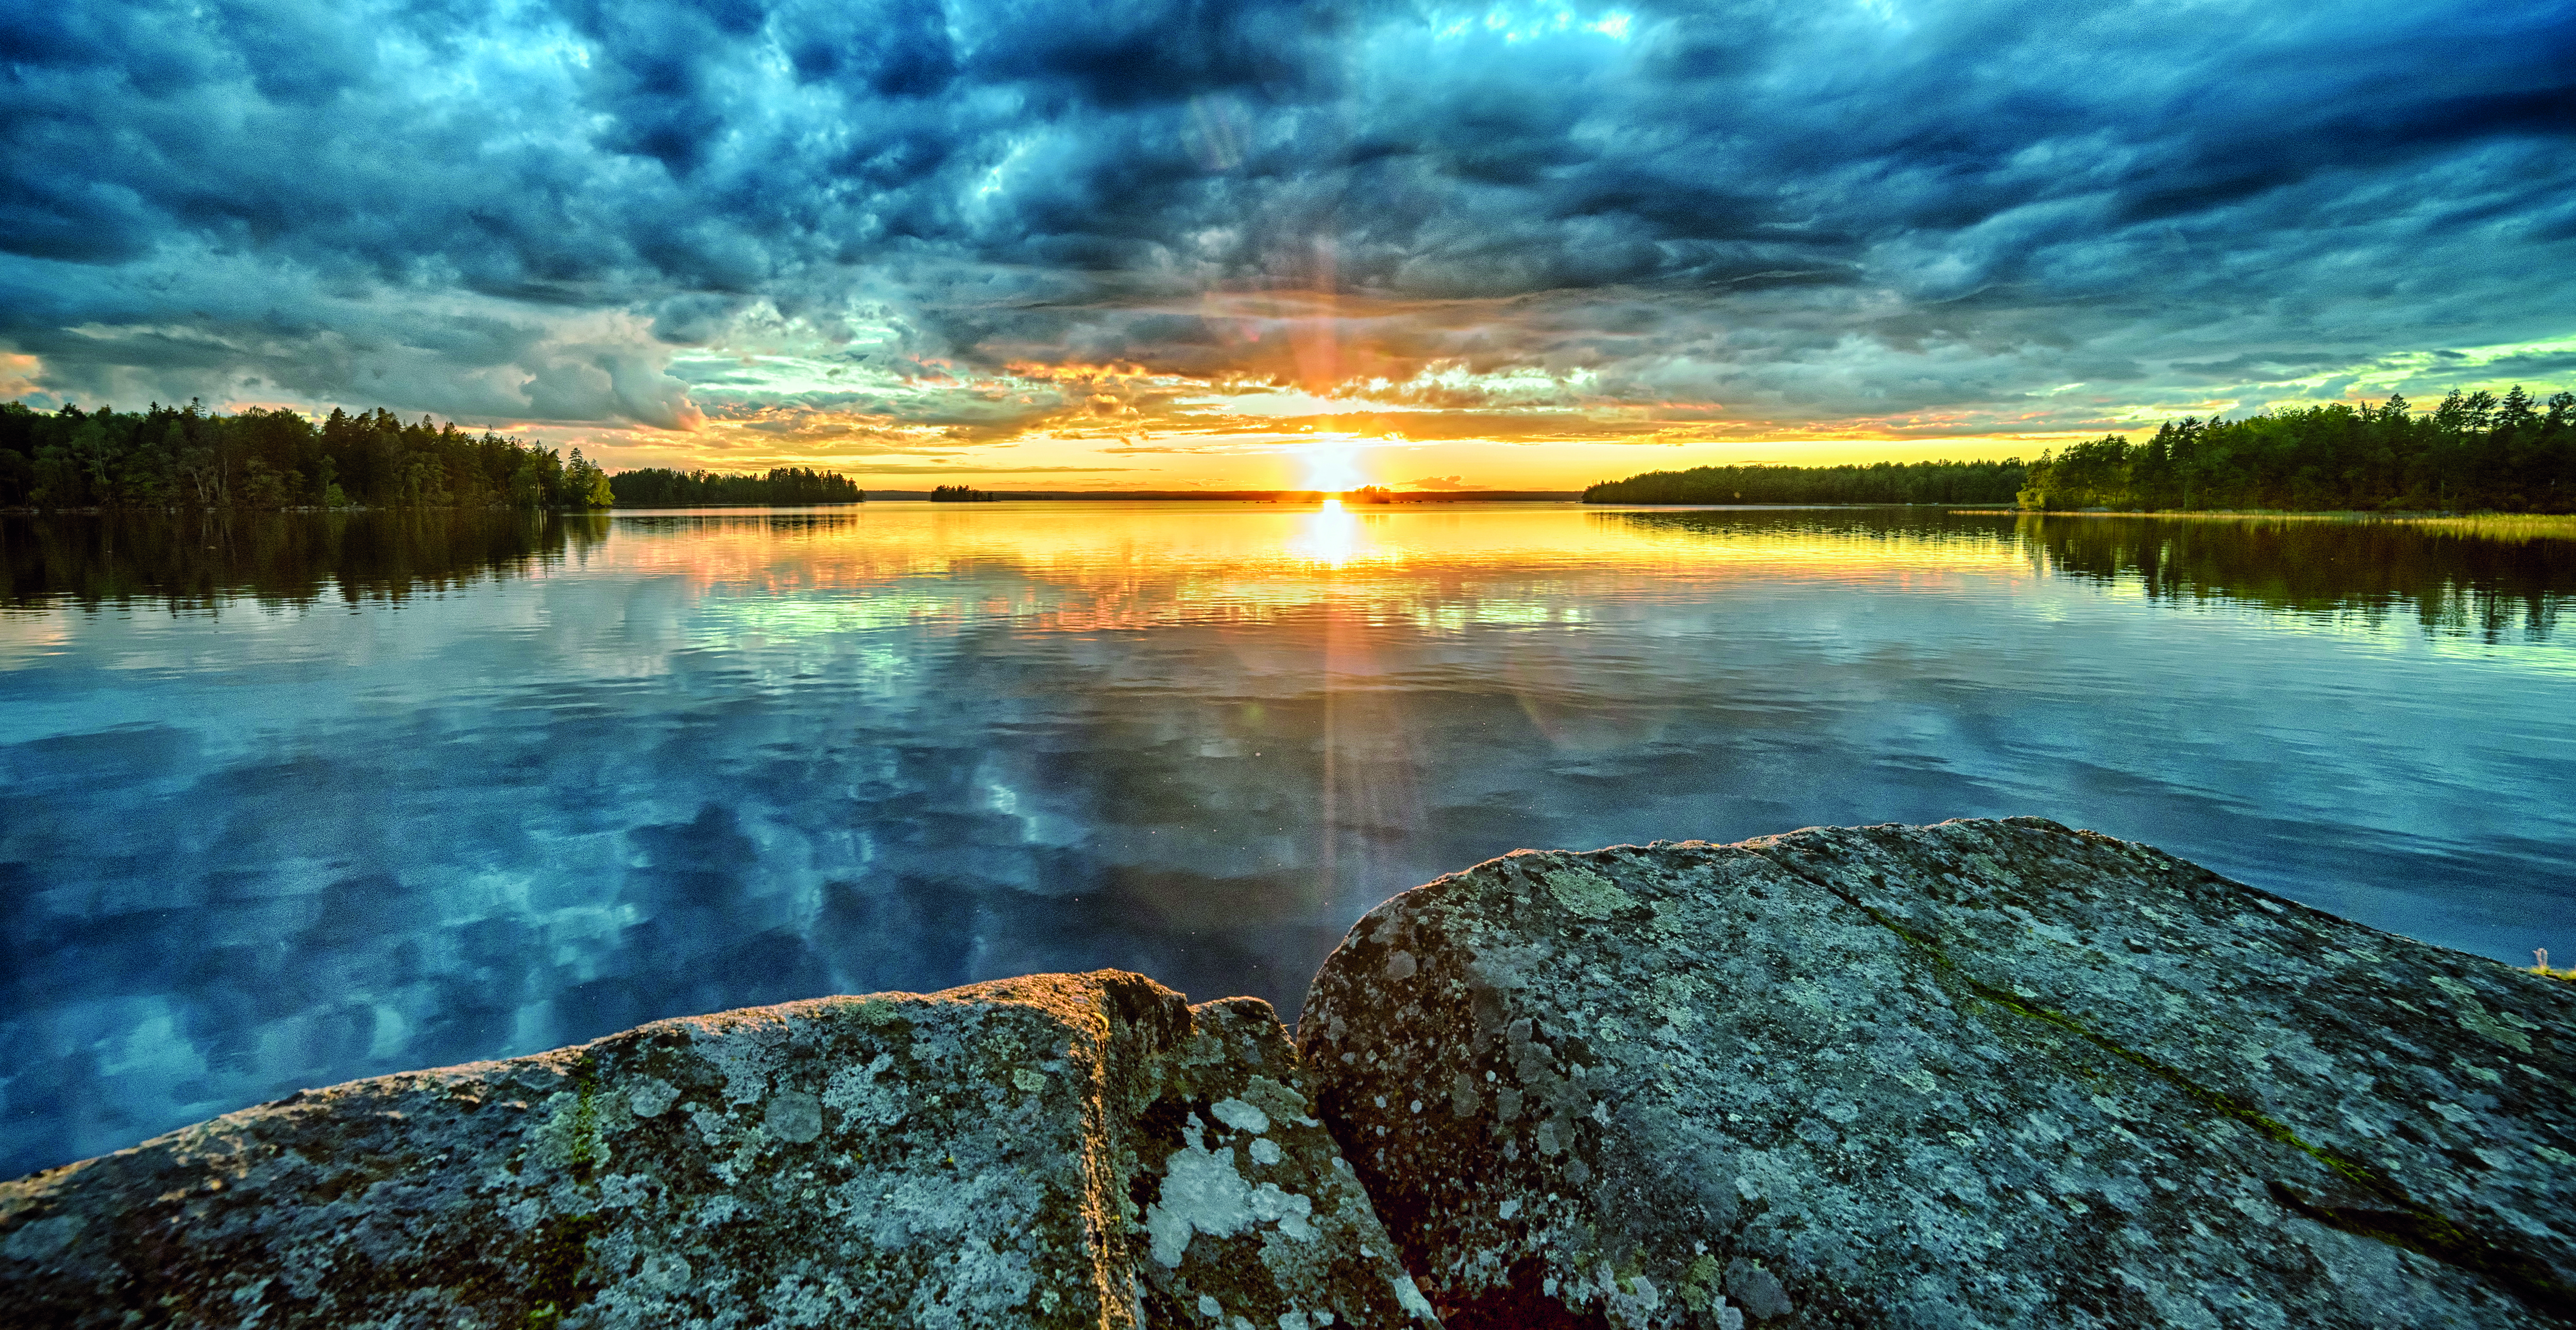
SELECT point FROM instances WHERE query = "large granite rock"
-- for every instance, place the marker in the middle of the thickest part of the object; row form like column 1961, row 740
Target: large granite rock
column 1977, row 1074
column 1061, row 1150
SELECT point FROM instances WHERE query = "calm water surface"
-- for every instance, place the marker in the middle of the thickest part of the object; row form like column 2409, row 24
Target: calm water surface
column 304, row 798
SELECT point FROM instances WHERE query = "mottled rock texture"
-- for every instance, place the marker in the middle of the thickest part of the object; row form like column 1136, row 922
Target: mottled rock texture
column 1987, row 1073
column 1060, row 1150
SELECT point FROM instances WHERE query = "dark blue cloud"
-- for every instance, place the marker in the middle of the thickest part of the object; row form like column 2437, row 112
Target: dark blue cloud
column 1817, row 211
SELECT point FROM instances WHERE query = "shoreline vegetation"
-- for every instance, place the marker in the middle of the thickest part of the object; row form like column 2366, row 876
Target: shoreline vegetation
column 189, row 458
column 2475, row 453
column 1859, row 483
column 785, row 486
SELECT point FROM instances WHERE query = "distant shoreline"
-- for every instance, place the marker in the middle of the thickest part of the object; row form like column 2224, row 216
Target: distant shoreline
column 1256, row 496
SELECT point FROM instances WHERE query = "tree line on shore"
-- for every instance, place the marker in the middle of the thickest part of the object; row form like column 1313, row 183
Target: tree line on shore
column 1876, row 482
column 2473, row 453
column 171, row 457
column 659, row 487
column 188, row 457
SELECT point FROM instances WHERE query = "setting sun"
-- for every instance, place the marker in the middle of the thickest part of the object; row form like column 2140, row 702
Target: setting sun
column 1333, row 467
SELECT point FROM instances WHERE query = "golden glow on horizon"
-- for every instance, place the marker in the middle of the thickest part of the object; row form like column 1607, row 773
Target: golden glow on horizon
column 1291, row 462
column 1316, row 395
column 1315, row 398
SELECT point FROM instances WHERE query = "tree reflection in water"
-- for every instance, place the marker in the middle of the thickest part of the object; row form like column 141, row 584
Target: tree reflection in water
column 198, row 560
column 2370, row 571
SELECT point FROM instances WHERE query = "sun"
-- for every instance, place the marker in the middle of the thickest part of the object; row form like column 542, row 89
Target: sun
column 1333, row 466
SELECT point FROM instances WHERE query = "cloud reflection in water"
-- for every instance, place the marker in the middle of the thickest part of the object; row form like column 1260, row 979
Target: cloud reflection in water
column 717, row 759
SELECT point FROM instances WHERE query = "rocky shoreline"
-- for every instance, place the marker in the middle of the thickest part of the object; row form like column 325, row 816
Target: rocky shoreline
column 1979, row 1073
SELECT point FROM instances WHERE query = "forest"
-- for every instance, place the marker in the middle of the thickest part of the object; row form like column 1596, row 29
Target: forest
column 1876, row 482
column 2473, row 453
column 188, row 457
column 656, row 487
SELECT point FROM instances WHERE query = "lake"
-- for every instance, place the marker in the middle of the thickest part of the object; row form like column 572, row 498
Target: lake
column 298, row 798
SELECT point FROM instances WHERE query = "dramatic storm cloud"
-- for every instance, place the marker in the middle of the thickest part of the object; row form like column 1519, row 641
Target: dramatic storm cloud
column 897, row 235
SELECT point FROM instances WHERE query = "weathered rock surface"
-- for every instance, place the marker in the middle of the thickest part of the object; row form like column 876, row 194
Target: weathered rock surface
column 1061, row 1150
column 1976, row 1074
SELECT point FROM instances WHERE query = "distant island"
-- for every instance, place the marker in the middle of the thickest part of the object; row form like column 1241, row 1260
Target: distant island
column 785, row 486
column 2475, row 452
column 962, row 494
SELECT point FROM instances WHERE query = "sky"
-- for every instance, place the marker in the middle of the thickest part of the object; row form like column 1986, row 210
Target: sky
column 1170, row 244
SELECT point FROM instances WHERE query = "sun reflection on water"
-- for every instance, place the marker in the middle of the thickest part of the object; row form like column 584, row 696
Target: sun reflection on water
column 1094, row 567
column 1330, row 535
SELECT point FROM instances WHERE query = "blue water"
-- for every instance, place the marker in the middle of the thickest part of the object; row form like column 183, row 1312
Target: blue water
column 279, row 820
